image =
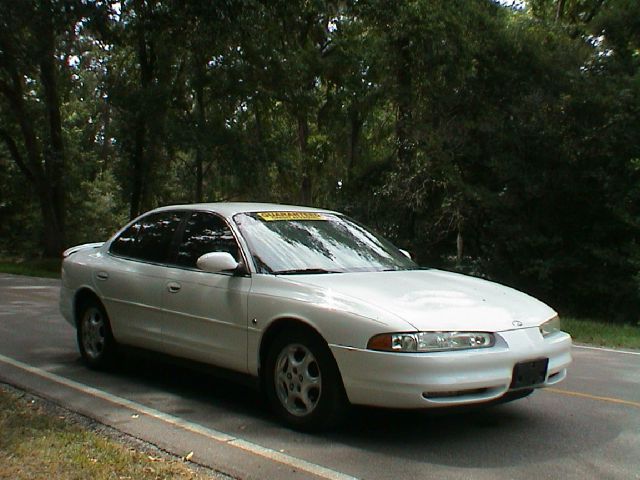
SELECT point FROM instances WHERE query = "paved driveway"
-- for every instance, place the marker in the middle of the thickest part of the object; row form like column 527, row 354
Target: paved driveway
column 587, row 428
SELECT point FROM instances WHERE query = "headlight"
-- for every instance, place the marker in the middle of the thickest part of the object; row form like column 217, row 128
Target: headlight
column 430, row 341
column 550, row 327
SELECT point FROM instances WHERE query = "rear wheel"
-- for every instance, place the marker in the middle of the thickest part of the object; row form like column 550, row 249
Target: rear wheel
column 302, row 381
column 95, row 339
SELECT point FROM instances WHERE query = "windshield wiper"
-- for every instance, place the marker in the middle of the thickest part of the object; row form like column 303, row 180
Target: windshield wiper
column 303, row 271
column 404, row 269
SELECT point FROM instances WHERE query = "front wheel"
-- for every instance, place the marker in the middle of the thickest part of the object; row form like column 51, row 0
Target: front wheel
column 302, row 382
column 95, row 340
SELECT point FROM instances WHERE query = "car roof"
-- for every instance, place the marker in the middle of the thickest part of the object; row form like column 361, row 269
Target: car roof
column 229, row 209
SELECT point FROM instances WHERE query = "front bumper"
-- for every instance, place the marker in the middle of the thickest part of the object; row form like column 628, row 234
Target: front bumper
column 65, row 303
column 440, row 379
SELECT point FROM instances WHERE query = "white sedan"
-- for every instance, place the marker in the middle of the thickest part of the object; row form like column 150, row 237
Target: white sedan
column 320, row 309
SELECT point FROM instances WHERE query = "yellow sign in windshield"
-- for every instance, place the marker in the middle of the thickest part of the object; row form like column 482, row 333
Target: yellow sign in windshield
column 279, row 216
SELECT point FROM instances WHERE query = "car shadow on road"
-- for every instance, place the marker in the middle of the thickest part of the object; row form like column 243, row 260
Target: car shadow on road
column 535, row 429
column 200, row 386
column 528, row 431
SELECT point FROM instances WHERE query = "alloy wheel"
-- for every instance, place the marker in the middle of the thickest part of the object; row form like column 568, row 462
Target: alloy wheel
column 93, row 332
column 298, row 380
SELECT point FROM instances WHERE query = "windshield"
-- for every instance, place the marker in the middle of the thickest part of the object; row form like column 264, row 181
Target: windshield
column 309, row 242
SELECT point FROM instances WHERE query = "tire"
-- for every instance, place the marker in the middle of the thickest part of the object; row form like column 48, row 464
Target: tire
column 302, row 382
column 95, row 340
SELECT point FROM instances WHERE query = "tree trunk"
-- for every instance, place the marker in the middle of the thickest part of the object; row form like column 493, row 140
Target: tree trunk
column 201, row 129
column 404, row 119
column 137, row 164
column 139, row 157
column 199, row 174
column 54, row 160
column 303, row 136
column 105, row 148
column 560, row 10
column 43, row 165
column 354, row 141
column 53, row 238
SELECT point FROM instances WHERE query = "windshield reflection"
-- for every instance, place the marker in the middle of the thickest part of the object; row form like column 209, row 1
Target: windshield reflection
column 331, row 244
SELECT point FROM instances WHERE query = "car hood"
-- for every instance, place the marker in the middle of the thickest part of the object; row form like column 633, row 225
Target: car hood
column 436, row 300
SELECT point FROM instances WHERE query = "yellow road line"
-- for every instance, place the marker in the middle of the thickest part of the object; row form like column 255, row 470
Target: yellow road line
column 593, row 397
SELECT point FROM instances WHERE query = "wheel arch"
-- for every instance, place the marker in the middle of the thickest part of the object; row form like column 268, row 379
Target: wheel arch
column 80, row 299
column 334, row 401
column 278, row 326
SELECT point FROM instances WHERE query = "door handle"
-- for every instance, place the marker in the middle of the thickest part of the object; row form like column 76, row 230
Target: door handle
column 173, row 287
column 102, row 276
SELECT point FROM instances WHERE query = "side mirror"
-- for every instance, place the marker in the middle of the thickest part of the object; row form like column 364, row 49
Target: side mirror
column 217, row 262
column 406, row 254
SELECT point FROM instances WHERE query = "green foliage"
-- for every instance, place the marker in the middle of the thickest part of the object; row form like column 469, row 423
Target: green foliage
column 607, row 334
column 100, row 208
column 46, row 267
column 497, row 141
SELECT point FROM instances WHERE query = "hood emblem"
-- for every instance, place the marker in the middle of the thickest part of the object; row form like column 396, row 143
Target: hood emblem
column 516, row 323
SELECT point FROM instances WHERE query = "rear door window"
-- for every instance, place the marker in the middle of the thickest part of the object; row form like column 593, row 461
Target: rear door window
column 150, row 238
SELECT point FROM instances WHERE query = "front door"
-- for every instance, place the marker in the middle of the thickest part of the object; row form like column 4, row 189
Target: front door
column 205, row 314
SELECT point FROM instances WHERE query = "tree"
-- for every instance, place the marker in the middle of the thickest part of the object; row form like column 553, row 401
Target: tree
column 34, row 39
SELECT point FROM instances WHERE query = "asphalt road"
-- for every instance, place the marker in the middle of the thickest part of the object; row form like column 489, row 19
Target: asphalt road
column 586, row 428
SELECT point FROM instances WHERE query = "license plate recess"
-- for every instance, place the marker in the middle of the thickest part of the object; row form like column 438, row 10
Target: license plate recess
column 529, row 374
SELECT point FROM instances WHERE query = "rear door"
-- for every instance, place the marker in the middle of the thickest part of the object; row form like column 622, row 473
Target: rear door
column 133, row 279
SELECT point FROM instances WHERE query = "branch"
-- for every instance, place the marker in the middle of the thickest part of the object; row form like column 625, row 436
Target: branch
column 594, row 11
column 560, row 10
column 17, row 157
column 13, row 94
column 5, row 88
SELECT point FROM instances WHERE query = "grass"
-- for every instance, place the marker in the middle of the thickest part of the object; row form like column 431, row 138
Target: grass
column 38, row 444
column 44, row 267
column 600, row 333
